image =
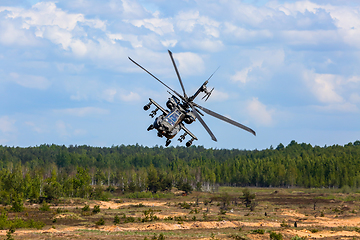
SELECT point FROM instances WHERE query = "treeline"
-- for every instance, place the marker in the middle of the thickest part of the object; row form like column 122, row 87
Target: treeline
column 73, row 170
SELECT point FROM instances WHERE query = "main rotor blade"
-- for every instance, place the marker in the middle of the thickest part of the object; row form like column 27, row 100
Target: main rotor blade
column 214, row 114
column 197, row 115
column 177, row 73
column 157, row 79
column 213, row 73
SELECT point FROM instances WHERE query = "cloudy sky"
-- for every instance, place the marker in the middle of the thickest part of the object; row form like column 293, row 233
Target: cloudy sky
column 288, row 69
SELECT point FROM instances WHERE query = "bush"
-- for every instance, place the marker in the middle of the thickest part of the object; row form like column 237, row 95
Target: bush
column 86, row 208
column 237, row 237
column 346, row 189
column 99, row 194
column 185, row 205
column 116, row 219
column 100, row 222
column 298, row 238
column 8, row 234
column 44, row 207
column 284, row 224
column 248, row 197
column 258, row 231
column 129, row 219
column 276, row 236
column 96, row 209
column 149, row 216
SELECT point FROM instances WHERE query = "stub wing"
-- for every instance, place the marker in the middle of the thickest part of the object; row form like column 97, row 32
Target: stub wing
column 187, row 131
column 159, row 107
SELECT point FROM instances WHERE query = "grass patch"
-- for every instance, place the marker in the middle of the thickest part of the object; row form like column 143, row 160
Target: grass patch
column 137, row 195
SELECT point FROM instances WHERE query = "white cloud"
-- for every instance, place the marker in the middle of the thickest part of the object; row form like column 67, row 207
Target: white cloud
column 247, row 35
column 323, row 86
column 30, row 81
column 189, row 63
column 109, row 94
column 130, row 97
column 131, row 9
column 52, row 23
column 259, row 112
column 354, row 79
column 169, row 43
column 243, row 75
column 11, row 33
column 187, row 21
column 345, row 18
column 157, row 25
column 131, row 38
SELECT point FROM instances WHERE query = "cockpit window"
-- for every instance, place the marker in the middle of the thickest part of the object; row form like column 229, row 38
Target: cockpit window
column 172, row 117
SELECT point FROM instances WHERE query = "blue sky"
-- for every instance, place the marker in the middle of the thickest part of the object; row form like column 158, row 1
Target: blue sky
column 288, row 69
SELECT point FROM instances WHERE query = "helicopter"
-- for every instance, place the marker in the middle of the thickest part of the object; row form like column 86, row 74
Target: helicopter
column 182, row 109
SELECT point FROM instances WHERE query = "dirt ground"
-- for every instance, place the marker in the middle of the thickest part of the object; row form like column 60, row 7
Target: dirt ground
column 312, row 215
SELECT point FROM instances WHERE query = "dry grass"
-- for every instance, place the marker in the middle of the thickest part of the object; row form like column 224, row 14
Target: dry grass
column 187, row 217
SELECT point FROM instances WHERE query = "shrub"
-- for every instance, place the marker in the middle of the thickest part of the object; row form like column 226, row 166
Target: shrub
column 298, row 238
column 276, row 236
column 258, row 231
column 284, row 224
column 222, row 211
column 237, row 237
column 100, row 222
column 96, row 209
column 116, row 219
column 248, row 197
column 185, row 205
column 44, row 207
column 149, row 216
column 129, row 219
column 345, row 189
column 8, row 234
column 86, row 208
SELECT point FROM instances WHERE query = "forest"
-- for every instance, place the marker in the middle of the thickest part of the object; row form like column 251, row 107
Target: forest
column 52, row 171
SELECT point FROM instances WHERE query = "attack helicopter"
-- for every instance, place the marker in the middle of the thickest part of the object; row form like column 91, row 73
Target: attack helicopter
column 182, row 109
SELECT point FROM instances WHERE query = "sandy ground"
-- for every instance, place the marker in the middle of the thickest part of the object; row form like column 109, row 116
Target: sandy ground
column 304, row 223
column 165, row 226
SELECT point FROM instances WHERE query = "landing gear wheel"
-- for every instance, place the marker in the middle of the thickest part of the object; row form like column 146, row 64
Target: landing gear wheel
column 151, row 127
column 167, row 142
